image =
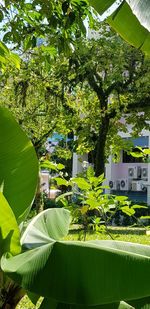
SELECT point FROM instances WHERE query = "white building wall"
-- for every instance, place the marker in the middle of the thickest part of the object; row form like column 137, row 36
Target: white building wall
column 78, row 163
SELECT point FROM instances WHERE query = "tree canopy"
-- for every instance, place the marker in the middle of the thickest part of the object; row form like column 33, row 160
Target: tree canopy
column 62, row 21
column 85, row 93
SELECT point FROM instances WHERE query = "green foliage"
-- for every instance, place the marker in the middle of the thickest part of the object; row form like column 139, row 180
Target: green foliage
column 129, row 20
column 7, row 57
column 90, row 206
column 9, row 230
column 98, row 77
column 39, row 110
column 18, row 180
column 69, row 88
column 45, row 253
column 18, row 166
column 61, row 21
column 141, row 153
column 59, row 264
column 48, row 165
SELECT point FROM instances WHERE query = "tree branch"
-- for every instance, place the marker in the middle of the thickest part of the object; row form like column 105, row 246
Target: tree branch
column 95, row 82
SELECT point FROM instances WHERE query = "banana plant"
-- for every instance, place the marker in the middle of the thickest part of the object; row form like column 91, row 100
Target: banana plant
column 18, row 166
column 18, row 180
column 68, row 274
column 78, row 275
column 129, row 18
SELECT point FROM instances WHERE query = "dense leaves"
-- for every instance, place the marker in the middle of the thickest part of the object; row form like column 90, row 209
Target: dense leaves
column 84, row 95
column 61, row 22
column 30, row 23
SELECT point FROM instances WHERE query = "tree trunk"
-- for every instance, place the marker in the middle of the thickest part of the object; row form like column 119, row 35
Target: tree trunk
column 100, row 147
column 11, row 296
column 38, row 198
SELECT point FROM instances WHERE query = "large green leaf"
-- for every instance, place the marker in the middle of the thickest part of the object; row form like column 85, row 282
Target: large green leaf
column 18, row 165
column 9, row 230
column 7, row 57
column 81, row 183
column 102, row 6
column 129, row 27
column 45, row 227
column 119, row 305
column 141, row 303
column 48, row 303
column 124, row 21
column 81, row 273
column 51, row 304
column 141, row 9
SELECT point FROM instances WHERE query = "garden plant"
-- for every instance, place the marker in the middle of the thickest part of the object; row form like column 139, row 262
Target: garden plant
column 91, row 206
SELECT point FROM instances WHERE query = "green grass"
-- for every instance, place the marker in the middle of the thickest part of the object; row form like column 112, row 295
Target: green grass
column 25, row 303
column 142, row 239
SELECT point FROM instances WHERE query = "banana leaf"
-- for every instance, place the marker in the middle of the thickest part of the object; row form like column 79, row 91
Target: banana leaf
column 51, row 304
column 78, row 274
column 18, row 165
column 130, row 19
column 141, row 9
column 9, row 230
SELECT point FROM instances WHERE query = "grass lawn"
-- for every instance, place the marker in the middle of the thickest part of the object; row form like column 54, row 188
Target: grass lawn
column 142, row 239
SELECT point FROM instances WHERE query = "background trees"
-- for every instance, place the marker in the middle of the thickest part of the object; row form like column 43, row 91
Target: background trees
column 84, row 94
column 112, row 77
column 67, row 64
column 63, row 21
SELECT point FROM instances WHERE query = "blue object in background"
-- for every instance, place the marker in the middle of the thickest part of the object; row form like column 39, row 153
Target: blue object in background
column 142, row 141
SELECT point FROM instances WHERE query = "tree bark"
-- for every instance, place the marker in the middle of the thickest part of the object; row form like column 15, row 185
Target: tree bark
column 100, row 147
column 38, row 198
column 12, row 296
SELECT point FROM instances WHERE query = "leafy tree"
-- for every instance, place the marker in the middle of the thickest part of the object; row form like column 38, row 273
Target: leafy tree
column 86, row 94
column 62, row 20
column 39, row 110
column 118, row 74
